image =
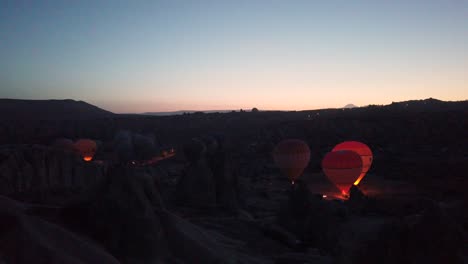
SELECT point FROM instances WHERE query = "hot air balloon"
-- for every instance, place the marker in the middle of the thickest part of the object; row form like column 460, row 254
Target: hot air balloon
column 363, row 150
column 342, row 167
column 86, row 148
column 292, row 156
column 194, row 150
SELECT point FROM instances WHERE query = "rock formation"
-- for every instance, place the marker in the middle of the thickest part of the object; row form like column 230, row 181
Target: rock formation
column 197, row 186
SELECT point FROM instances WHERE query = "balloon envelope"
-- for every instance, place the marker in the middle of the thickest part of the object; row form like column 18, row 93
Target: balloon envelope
column 292, row 156
column 363, row 150
column 342, row 167
column 86, row 148
column 194, row 149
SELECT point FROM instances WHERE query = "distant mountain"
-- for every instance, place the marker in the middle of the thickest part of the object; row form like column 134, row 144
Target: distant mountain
column 425, row 105
column 350, row 106
column 16, row 109
column 185, row 111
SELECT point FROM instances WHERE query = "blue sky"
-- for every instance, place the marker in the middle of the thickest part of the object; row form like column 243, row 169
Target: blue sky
column 137, row 56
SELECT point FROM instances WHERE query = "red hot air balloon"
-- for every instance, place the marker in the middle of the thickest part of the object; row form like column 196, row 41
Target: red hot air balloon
column 363, row 150
column 342, row 167
column 86, row 148
column 292, row 156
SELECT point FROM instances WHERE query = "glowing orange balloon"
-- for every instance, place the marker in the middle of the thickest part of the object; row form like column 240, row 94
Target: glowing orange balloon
column 292, row 156
column 363, row 150
column 86, row 148
column 342, row 167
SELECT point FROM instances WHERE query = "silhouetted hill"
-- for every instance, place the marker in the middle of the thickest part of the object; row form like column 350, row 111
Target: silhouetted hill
column 15, row 109
column 180, row 112
column 425, row 105
column 429, row 105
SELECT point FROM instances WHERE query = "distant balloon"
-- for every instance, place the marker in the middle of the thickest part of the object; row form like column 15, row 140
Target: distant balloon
column 64, row 144
column 363, row 150
column 143, row 146
column 211, row 144
column 292, row 157
column 194, row 150
column 123, row 146
column 87, row 148
column 342, row 167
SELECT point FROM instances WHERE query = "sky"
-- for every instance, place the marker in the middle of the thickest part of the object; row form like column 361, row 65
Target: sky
column 149, row 56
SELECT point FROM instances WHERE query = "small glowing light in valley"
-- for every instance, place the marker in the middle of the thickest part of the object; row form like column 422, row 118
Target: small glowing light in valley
column 345, row 194
column 324, row 196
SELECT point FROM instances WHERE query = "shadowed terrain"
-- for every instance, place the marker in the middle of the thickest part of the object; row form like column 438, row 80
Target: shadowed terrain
column 220, row 198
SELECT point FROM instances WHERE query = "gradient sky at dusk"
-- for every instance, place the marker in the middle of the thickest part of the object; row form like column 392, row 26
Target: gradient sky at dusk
column 138, row 56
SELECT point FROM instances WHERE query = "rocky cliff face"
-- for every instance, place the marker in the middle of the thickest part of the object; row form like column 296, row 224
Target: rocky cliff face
column 40, row 169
